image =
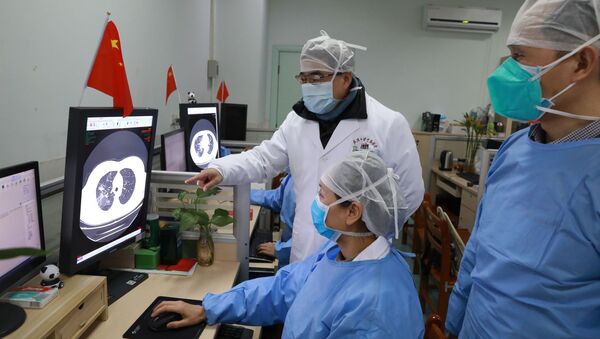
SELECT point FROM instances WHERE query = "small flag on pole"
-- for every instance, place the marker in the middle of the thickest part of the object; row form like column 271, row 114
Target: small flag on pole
column 171, row 85
column 222, row 92
column 108, row 70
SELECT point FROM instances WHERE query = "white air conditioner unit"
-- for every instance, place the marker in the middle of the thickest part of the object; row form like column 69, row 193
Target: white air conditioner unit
column 462, row 19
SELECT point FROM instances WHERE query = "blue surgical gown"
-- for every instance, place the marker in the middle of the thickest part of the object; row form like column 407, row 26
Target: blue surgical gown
column 320, row 297
column 531, row 269
column 283, row 201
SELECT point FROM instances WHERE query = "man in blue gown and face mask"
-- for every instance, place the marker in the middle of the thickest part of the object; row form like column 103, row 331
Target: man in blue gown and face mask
column 531, row 268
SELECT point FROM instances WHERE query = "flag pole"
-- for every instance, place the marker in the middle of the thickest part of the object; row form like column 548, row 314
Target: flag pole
column 94, row 58
column 174, row 79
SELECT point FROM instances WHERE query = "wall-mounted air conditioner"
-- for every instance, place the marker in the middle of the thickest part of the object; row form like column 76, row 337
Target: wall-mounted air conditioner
column 462, row 19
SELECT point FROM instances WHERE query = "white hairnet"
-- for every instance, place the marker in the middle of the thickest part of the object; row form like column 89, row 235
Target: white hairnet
column 324, row 53
column 364, row 177
column 560, row 25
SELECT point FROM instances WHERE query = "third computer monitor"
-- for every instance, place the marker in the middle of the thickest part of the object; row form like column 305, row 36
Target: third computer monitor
column 201, row 130
column 232, row 121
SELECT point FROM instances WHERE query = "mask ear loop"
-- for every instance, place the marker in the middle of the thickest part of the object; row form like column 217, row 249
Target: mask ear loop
column 391, row 179
column 553, row 64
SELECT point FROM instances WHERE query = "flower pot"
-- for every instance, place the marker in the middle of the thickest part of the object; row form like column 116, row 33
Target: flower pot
column 205, row 248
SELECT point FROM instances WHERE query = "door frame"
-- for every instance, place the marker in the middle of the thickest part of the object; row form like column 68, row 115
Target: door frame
column 275, row 79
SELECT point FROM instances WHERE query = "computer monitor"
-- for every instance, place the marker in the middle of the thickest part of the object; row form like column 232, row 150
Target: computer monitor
column 199, row 123
column 232, row 122
column 20, row 226
column 172, row 151
column 107, row 176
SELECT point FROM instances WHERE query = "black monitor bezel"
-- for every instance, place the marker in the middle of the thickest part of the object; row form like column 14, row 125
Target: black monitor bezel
column 184, row 124
column 224, row 119
column 74, row 161
column 163, row 156
column 33, row 263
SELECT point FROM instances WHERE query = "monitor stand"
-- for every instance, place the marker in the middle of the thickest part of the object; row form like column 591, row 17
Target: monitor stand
column 119, row 282
column 12, row 318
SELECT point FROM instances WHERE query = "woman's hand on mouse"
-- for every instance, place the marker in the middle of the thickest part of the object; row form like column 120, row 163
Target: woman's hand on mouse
column 191, row 314
column 267, row 248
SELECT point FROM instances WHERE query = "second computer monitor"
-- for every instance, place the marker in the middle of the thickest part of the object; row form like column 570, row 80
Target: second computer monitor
column 107, row 178
column 199, row 123
column 172, row 151
column 232, row 122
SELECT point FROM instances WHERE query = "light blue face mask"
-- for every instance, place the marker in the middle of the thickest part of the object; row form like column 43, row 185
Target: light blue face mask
column 516, row 93
column 319, row 215
column 318, row 98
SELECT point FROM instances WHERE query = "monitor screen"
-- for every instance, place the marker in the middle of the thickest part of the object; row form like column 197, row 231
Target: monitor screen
column 20, row 220
column 107, row 174
column 199, row 123
column 233, row 121
column 172, row 151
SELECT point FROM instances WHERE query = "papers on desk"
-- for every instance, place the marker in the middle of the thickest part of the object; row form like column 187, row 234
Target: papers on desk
column 185, row 267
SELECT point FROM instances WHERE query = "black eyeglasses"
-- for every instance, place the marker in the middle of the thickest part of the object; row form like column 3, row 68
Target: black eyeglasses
column 312, row 78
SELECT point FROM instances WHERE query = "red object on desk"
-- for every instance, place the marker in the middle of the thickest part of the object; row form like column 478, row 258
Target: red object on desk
column 230, row 213
column 184, row 265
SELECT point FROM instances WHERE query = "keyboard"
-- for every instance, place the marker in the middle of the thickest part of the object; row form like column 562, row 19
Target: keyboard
column 470, row 177
column 234, row 332
column 259, row 237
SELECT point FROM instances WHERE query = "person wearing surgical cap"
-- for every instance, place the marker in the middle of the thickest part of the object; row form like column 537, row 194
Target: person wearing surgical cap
column 334, row 117
column 355, row 286
column 531, row 268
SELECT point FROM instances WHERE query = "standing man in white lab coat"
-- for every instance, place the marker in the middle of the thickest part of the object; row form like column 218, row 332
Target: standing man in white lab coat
column 334, row 117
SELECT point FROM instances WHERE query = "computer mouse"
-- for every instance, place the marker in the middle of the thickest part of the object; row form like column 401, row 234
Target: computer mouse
column 159, row 323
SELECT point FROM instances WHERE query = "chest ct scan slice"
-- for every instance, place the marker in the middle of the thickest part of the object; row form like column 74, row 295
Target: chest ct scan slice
column 203, row 147
column 112, row 198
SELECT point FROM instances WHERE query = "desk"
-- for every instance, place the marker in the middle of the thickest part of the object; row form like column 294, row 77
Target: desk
column 458, row 187
column 122, row 313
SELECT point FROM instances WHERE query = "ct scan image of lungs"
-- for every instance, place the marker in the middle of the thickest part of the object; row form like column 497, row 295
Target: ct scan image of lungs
column 113, row 189
column 204, row 145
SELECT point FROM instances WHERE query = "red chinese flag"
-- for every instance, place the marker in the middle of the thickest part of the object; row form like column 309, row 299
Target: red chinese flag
column 222, row 92
column 171, row 86
column 108, row 72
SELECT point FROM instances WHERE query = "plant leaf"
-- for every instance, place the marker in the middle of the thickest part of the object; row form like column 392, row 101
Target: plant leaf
column 8, row 253
column 188, row 220
column 181, row 196
column 199, row 200
column 177, row 213
column 220, row 220
column 203, row 218
column 221, row 212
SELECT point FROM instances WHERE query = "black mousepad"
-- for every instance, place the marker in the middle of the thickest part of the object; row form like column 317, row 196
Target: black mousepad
column 140, row 329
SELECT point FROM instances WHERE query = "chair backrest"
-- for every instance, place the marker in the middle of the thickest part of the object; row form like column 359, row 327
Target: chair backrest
column 420, row 219
column 434, row 328
column 438, row 239
column 456, row 239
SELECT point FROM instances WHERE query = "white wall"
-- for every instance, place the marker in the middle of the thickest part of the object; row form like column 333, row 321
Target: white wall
column 407, row 68
column 46, row 48
column 241, row 50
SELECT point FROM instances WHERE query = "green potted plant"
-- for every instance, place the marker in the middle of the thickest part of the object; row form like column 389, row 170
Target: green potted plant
column 476, row 130
column 194, row 218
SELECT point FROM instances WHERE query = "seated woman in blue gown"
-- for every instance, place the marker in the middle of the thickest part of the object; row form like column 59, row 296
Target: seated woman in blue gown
column 355, row 286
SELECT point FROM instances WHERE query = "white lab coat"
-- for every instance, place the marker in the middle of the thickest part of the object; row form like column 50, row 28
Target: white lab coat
column 297, row 144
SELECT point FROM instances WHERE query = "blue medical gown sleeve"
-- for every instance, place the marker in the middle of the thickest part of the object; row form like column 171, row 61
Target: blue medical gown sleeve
column 584, row 210
column 462, row 288
column 282, row 251
column 270, row 199
column 262, row 301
